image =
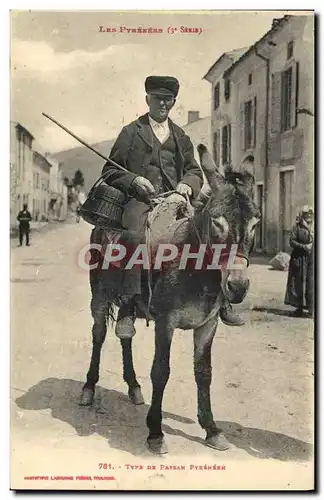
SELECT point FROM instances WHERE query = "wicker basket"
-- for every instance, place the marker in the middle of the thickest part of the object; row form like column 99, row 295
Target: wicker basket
column 104, row 206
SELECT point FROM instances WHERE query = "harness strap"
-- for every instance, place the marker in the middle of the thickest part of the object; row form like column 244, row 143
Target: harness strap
column 148, row 234
column 148, row 231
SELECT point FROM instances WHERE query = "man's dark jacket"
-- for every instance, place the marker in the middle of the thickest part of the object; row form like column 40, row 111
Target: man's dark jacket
column 24, row 217
column 133, row 150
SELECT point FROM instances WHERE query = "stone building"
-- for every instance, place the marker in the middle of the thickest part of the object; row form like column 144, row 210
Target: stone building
column 223, row 108
column 198, row 129
column 57, row 191
column 269, row 114
column 21, row 166
column 41, row 186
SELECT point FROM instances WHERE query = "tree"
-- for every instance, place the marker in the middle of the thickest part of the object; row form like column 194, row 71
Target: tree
column 78, row 179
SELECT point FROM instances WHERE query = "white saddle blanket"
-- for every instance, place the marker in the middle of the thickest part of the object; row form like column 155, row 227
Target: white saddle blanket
column 163, row 221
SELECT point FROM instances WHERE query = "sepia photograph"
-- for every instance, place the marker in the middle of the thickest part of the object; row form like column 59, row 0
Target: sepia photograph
column 162, row 250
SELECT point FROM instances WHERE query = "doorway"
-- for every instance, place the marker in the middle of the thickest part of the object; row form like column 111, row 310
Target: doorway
column 286, row 208
column 259, row 230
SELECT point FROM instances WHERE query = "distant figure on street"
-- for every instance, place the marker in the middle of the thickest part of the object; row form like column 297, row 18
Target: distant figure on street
column 24, row 217
column 77, row 213
column 300, row 284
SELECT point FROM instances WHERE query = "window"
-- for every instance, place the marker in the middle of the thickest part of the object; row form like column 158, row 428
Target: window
column 259, row 227
column 216, row 148
column 37, row 180
column 249, row 124
column 250, row 79
column 290, row 50
column 227, row 89
column 226, row 144
column 286, row 208
column 286, row 99
column 216, row 96
column 23, row 159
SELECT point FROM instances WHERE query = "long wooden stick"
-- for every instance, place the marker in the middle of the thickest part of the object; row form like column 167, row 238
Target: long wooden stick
column 84, row 143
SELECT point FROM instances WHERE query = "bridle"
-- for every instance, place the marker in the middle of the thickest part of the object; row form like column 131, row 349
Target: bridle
column 206, row 214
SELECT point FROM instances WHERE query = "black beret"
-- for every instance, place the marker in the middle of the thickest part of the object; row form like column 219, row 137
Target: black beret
column 162, row 85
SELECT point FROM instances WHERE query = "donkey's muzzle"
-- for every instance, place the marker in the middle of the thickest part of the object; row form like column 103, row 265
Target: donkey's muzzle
column 236, row 290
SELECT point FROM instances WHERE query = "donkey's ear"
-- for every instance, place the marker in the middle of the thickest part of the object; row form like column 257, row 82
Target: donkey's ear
column 248, row 181
column 213, row 176
column 228, row 169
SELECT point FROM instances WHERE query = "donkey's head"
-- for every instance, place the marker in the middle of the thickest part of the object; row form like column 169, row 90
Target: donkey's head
column 227, row 215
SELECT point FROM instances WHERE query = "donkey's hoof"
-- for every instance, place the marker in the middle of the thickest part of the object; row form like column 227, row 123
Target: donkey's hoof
column 87, row 396
column 157, row 446
column 218, row 442
column 136, row 396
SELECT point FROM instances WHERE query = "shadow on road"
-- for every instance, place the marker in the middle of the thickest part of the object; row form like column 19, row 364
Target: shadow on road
column 35, row 263
column 266, row 444
column 28, row 280
column 116, row 419
column 274, row 310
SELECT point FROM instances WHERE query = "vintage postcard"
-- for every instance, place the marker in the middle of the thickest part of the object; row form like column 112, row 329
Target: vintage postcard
column 162, row 250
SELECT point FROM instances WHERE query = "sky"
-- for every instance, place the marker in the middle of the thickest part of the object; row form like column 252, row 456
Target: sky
column 93, row 82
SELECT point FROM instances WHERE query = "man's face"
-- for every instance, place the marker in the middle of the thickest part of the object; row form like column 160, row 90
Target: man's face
column 160, row 106
column 308, row 217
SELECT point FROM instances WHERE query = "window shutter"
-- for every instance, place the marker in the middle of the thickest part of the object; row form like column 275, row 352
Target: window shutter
column 229, row 138
column 254, row 122
column 294, row 94
column 276, row 102
column 227, row 89
column 242, row 126
column 216, row 96
column 216, row 147
column 224, row 140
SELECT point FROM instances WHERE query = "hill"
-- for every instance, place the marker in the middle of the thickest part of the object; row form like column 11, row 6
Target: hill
column 88, row 162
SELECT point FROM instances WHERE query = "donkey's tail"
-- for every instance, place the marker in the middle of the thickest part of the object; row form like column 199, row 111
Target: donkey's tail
column 111, row 314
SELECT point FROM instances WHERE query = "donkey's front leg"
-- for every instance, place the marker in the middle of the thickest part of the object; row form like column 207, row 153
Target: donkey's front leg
column 159, row 375
column 99, row 312
column 134, row 389
column 203, row 340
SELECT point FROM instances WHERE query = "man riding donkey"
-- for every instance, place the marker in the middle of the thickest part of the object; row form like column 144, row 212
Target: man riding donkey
column 159, row 157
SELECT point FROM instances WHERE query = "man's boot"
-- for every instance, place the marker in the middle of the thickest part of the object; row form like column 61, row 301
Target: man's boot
column 125, row 328
column 229, row 317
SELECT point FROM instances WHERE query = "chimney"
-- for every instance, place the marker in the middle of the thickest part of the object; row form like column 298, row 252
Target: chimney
column 275, row 22
column 193, row 116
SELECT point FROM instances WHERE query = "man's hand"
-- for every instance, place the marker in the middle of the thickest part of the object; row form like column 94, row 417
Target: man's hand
column 143, row 186
column 184, row 189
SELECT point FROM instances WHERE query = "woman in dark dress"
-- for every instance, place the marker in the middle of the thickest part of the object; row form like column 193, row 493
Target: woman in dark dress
column 299, row 291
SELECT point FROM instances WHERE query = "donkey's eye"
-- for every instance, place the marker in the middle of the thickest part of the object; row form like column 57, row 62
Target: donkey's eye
column 219, row 225
column 222, row 224
column 239, row 181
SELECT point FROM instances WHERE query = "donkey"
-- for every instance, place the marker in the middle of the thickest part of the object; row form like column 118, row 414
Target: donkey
column 188, row 299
